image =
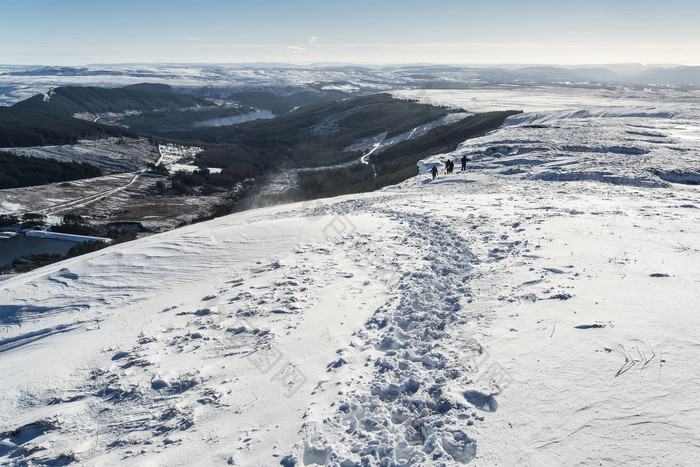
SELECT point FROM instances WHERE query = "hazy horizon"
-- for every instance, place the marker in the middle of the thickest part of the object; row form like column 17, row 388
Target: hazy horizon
column 351, row 64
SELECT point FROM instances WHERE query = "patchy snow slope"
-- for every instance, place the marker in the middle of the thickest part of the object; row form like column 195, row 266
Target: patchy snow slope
column 493, row 316
column 112, row 155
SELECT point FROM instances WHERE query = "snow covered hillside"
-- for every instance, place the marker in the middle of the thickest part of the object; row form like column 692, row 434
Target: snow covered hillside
column 539, row 308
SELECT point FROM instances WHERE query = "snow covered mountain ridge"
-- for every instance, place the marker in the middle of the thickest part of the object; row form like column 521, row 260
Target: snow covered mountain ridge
column 535, row 309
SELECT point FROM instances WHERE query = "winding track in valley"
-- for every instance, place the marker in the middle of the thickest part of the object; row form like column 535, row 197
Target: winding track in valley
column 88, row 199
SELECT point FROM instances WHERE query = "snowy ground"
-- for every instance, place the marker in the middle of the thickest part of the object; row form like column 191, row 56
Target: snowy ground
column 495, row 316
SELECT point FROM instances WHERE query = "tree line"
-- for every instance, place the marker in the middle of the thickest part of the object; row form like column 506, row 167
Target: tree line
column 24, row 128
column 20, row 171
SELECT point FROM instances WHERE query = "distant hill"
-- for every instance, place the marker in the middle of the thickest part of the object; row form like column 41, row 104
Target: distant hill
column 150, row 87
column 72, row 100
column 678, row 76
column 313, row 136
column 332, row 137
column 574, row 75
column 22, row 127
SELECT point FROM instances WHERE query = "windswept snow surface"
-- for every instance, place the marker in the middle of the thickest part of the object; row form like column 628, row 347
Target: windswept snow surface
column 497, row 316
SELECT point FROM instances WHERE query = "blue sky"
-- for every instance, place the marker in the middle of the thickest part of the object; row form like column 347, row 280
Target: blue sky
column 76, row 32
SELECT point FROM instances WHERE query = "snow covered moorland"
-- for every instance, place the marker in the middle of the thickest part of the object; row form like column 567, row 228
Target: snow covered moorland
column 539, row 308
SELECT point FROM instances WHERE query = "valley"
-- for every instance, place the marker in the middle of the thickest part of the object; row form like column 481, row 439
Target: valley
column 169, row 159
column 173, row 154
column 534, row 309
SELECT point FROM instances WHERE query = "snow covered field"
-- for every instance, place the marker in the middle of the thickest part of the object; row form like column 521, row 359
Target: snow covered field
column 178, row 158
column 624, row 136
column 538, row 309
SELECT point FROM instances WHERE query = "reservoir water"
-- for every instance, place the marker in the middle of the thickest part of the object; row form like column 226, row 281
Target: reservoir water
column 237, row 119
column 20, row 245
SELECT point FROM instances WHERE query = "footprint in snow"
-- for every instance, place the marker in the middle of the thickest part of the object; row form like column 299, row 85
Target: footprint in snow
column 481, row 401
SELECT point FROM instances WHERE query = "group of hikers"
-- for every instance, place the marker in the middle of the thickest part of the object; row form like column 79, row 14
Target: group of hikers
column 449, row 166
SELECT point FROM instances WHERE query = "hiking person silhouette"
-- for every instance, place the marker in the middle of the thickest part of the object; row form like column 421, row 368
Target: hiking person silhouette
column 464, row 163
column 434, row 171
